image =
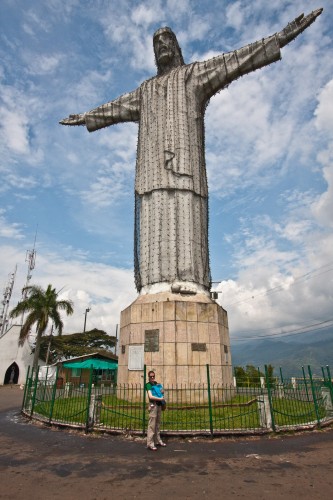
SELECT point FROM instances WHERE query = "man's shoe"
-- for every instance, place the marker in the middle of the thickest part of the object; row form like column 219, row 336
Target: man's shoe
column 161, row 444
column 152, row 448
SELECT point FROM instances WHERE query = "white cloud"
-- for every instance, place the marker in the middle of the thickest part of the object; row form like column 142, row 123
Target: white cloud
column 145, row 14
column 109, row 186
column 21, row 182
column 88, row 89
column 105, row 289
column 19, row 110
column 178, row 7
column 8, row 230
column 263, row 298
column 14, row 124
column 323, row 207
column 34, row 22
column 234, row 15
column 324, row 110
column 42, row 64
column 28, row 29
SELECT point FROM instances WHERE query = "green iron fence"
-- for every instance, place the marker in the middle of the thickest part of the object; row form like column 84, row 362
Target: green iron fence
column 277, row 404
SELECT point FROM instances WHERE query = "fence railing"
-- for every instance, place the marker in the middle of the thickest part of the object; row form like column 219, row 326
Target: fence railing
column 278, row 404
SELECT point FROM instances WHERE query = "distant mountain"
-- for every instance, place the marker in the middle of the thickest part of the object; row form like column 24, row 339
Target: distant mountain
column 288, row 355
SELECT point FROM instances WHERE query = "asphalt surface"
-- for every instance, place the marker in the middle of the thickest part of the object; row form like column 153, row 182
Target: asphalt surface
column 40, row 462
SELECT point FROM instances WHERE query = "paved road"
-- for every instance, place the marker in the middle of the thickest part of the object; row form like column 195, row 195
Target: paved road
column 37, row 462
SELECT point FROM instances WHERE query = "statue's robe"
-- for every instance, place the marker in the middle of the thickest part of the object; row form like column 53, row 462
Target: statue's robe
column 171, row 207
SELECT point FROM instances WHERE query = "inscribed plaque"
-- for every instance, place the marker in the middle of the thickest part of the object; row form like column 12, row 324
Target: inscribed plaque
column 152, row 340
column 199, row 346
column 135, row 357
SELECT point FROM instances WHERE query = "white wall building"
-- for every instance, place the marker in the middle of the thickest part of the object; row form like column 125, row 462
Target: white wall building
column 13, row 356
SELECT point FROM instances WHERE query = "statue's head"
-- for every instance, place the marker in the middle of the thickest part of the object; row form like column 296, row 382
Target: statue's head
column 168, row 54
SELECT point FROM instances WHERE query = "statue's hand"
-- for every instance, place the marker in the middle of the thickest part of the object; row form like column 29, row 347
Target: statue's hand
column 293, row 29
column 74, row 120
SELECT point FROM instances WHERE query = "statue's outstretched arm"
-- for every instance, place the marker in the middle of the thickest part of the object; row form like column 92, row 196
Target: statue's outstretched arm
column 293, row 29
column 74, row 120
column 125, row 108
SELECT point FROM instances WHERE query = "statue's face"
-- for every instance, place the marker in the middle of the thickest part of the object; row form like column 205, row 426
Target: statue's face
column 164, row 48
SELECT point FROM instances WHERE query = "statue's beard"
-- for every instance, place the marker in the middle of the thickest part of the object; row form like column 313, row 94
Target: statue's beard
column 165, row 57
column 166, row 62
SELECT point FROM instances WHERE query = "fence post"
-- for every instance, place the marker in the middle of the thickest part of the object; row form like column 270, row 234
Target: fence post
column 45, row 383
column 261, row 379
column 53, row 395
column 89, row 399
column 210, row 403
column 25, row 389
column 97, row 409
column 323, row 372
column 269, row 393
column 144, row 400
column 326, row 395
column 265, row 414
column 34, row 394
column 235, row 378
column 314, row 396
column 305, row 383
column 28, row 401
column 330, row 385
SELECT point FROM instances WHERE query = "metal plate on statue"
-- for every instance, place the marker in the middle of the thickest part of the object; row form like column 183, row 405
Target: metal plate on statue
column 199, row 346
column 152, row 340
column 135, row 357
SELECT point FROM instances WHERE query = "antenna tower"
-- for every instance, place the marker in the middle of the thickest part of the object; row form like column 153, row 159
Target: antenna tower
column 30, row 257
column 7, row 293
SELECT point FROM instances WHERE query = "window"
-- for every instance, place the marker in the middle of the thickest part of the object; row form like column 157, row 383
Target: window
column 76, row 372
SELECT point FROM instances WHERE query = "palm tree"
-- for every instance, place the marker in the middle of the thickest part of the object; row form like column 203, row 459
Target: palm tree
column 41, row 306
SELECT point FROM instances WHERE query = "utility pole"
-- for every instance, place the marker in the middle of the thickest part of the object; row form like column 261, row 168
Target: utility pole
column 85, row 318
column 116, row 344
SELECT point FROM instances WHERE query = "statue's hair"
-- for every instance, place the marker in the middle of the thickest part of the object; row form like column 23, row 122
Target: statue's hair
column 178, row 57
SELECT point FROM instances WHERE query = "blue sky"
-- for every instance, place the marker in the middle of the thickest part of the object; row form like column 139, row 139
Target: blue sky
column 269, row 151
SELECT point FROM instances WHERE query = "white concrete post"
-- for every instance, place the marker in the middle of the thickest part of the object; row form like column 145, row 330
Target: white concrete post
column 95, row 410
column 264, row 411
column 326, row 394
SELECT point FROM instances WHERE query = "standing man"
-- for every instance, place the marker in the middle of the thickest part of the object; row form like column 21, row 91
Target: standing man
column 171, row 192
column 155, row 410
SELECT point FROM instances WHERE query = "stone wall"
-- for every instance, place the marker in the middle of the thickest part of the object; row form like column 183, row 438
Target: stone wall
column 177, row 336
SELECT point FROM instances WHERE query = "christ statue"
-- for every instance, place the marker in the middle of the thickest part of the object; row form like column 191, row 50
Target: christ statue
column 171, row 193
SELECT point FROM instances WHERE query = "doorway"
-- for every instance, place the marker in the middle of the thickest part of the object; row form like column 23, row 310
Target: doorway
column 12, row 374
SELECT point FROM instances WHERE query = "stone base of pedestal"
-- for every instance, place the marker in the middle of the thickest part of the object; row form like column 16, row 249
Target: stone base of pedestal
column 176, row 336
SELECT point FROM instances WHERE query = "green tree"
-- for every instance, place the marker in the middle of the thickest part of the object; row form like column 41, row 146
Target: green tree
column 248, row 377
column 253, row 375
column 41, row 306
column 270, row 374
column 240, row 376
column 77, row 344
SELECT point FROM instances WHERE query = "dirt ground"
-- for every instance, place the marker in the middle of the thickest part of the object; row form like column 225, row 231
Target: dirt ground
column 39, row 462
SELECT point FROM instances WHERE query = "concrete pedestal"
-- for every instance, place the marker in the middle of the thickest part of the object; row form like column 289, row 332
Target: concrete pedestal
column 177, row 336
